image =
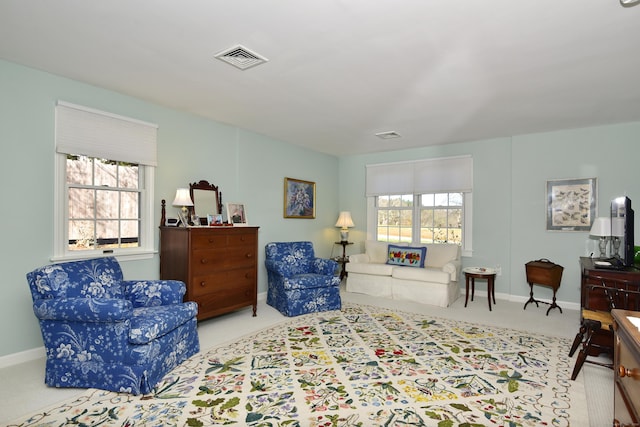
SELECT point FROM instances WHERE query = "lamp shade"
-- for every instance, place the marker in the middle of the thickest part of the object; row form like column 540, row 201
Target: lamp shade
column 344, row 220
column 183, row 198
column 601, row 227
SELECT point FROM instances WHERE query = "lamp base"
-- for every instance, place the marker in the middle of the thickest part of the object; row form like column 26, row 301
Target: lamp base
column 603, row 247
column 344, row 235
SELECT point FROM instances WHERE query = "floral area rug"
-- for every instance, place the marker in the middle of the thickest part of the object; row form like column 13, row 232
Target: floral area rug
column 361, row 366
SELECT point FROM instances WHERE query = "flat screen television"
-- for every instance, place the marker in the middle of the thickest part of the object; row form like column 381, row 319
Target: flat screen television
column 622, row 229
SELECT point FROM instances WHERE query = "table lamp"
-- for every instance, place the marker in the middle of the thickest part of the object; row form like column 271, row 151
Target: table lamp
column 344, row 221
column 601, row 228
column 183, row 198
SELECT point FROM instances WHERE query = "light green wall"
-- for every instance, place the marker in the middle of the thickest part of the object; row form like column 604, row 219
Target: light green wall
column 248, row 168
column 509, row 187
column 509, row 196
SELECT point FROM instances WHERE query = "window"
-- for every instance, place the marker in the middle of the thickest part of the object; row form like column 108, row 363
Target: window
column 436, row 218
column 423, row 201
column 104, row 196
column 394, row 215
column 441, row 218
column 104, row 203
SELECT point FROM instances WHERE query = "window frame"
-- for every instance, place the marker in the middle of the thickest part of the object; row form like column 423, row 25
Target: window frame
column 61, row 250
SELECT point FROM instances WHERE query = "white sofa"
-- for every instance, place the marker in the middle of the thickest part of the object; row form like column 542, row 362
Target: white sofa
column 436, row 283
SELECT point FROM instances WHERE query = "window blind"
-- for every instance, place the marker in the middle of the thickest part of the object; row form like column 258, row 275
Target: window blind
column 94, row 133
column 447, row 174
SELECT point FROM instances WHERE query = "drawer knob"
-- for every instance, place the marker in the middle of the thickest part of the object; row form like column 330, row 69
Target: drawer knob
column 204, row 261
column 249, row 255
column 211, row 240
column 203, row 284
column 624, row 372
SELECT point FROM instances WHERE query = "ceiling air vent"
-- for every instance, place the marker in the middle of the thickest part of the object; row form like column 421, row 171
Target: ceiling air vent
column 388, row 135
column 241, row 57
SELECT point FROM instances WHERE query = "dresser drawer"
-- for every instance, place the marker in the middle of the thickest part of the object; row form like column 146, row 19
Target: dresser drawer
column 206, row 261
column 223, row 282
column 210, row 239
column 628, row 372
column 223, row 301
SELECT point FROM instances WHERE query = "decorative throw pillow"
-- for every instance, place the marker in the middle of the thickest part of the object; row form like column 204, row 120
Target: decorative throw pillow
column 406, row 255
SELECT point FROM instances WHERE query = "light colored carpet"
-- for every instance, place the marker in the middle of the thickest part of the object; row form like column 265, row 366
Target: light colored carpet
column 363, row 365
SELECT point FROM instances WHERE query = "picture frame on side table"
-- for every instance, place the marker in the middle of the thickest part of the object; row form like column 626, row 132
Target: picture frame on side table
column 571, row 204
column 299, row 199
column 236, row 214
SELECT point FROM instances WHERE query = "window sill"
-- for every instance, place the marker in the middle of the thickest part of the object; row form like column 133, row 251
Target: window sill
column 126, row 256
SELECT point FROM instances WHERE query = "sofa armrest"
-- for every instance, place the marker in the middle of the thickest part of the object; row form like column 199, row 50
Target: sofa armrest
column 453, row 268
column 359, row 258
column 83, row 309
column 150, row 293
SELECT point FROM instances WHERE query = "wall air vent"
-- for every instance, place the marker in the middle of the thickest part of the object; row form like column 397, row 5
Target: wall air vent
column 241, row 57
column 388, row 135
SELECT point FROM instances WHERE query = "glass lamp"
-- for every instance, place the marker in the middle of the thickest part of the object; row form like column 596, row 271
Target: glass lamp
column 617, row 231
column 601, row 228
column 344, row 222
column 183, row 198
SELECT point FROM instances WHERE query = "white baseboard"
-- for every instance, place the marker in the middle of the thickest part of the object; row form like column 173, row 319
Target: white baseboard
column 22, row 357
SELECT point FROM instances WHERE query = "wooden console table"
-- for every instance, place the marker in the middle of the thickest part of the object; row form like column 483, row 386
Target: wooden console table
column 598, row 301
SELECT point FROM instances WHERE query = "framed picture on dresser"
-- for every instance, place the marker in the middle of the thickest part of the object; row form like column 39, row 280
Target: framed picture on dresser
column 237, row 214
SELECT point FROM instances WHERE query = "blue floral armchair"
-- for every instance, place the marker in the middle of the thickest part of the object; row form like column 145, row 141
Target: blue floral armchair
column 101, row 331
column 300, row 283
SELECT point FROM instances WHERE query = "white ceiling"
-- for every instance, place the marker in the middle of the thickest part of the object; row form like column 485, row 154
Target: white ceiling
column 339, row 71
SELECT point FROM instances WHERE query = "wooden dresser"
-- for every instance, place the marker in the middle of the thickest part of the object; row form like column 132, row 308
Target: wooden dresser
column 218, row 264
column 598, row 301
column 627, row 370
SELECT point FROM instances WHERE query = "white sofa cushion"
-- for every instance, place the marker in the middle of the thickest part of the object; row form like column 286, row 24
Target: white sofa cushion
column 378, row 252
column 421, row 274
column 370, row 268
column 438, row 254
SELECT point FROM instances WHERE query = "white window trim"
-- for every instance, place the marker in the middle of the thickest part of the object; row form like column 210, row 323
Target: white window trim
column 61, row 252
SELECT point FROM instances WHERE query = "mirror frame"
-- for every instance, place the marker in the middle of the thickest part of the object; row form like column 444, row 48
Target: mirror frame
column 204, row 185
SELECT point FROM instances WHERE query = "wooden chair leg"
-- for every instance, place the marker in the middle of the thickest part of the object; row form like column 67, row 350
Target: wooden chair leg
column 591, row 326
column 578, row 339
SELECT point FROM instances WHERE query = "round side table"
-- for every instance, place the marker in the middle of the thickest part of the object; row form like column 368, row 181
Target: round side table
column 473, row 273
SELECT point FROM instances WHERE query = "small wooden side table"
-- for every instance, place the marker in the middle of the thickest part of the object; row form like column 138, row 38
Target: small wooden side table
column 473, row 273
column 344, row 259
column 545, row 273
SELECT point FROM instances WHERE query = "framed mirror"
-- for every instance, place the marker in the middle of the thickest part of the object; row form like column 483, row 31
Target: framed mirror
column 207, row 200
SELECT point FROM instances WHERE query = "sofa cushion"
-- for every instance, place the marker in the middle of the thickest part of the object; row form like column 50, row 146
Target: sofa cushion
column 441, row 253
column 376, row 251
column 370, row 268
column 406, row 255
column 421, row 274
